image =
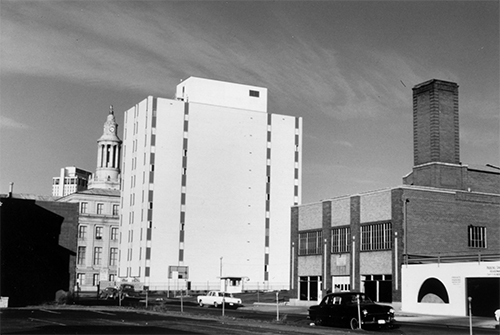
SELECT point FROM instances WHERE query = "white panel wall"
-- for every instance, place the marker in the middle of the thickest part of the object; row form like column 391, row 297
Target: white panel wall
column 167, row 188
column 219, row 93
column 282, row 195
column 225, row 192
column 452, row 275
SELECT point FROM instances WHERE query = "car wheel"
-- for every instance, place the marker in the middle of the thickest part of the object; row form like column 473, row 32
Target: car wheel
column 318, row 321
column 216, row 304
column 200, row 303
column 354, row 323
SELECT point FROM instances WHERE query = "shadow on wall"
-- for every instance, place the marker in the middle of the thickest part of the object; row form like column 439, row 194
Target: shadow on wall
column 34, row 265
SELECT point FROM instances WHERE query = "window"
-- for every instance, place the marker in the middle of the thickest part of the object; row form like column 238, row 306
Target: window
column 115, row 209
column 113, row 256
column 114, row 234
column 80, row 279
column 254, row 93
column 95, row 279
column 97, row 255
column 98, row 233
column 99, row 208
column 82, row 232
column 477, row 237
column 83, row 207
column 376, row 236
column 81, row 256
column 310, row 243
column 112, row 277
column 341, row 238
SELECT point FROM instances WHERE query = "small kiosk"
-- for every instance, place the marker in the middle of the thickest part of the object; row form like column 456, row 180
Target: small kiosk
column 231, row 284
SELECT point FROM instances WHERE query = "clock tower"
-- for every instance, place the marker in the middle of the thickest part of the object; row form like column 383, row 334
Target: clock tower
column 107, row 174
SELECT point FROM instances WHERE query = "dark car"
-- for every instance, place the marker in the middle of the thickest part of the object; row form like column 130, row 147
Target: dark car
column 128, row 291
column 342, row 309
column 124, row 291
column 109, row 293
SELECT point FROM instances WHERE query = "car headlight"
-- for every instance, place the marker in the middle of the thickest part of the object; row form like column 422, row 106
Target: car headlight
column 391, row 311
column 365, row 312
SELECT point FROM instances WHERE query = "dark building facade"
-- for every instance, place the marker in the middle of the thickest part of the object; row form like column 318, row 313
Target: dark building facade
column 38, row 242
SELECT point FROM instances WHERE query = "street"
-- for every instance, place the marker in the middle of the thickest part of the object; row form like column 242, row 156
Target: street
column 194, row 320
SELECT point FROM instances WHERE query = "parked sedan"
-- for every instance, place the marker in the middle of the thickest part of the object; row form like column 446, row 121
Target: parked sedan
column 109, row 293
column 342, row 309
column 216, row 298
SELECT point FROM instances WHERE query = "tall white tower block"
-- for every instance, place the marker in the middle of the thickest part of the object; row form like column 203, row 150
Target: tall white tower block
column 208, row 181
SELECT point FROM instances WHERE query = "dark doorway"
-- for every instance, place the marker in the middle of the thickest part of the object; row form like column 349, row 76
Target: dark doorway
column 378, row 287
column 485, row 294
column 309, row 287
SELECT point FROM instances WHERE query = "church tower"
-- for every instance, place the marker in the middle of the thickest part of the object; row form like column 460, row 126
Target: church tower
column 107, row 174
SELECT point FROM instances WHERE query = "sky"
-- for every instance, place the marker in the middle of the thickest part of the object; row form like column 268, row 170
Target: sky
column 346, row 67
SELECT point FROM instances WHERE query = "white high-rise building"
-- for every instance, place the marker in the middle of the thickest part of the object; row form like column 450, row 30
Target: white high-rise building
column 70, row 180
column 209, row 179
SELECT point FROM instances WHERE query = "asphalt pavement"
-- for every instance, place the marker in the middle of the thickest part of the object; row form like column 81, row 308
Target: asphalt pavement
column 400, row 316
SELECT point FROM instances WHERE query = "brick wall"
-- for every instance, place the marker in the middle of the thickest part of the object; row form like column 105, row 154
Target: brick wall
column 479, row 181
column 437, row 222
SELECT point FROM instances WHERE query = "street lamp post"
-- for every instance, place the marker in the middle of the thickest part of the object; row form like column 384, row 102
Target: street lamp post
column 470, row 315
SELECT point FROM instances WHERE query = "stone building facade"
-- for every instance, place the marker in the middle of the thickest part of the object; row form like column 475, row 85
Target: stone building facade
column 97, row 237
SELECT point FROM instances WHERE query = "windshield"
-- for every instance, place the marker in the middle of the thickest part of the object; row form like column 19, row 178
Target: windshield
column 363, row 299
column 346, row 299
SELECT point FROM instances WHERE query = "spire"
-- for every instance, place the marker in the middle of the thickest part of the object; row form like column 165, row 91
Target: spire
column 111, row 110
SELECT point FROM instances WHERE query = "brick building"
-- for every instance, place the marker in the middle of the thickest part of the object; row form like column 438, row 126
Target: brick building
column 444, row 211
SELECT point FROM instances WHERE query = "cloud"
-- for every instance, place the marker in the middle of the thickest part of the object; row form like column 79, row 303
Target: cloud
column 111, row 45
column 149, row 46
column 7, row 123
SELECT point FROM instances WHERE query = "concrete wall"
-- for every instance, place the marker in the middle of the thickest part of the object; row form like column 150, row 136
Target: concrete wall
column 452, row 275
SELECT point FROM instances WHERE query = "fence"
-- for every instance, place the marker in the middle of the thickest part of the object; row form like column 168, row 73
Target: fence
column 175, row 285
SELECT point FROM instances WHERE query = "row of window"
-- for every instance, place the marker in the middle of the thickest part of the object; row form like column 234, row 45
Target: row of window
column 373, row 237
column 71, row 181
column 81, row 279
column 98, row 233
column 84, row 208
column 97, row 256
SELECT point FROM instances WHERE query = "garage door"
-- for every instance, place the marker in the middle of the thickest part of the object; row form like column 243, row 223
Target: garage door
column 485, row 294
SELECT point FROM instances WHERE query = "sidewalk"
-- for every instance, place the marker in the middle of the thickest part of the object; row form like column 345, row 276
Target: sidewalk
column 400, row 316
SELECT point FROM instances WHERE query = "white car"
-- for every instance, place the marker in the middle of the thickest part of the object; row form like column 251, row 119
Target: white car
column 215, row 298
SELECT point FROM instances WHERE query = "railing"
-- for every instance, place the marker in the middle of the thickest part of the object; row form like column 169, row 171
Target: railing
column 419, row 259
